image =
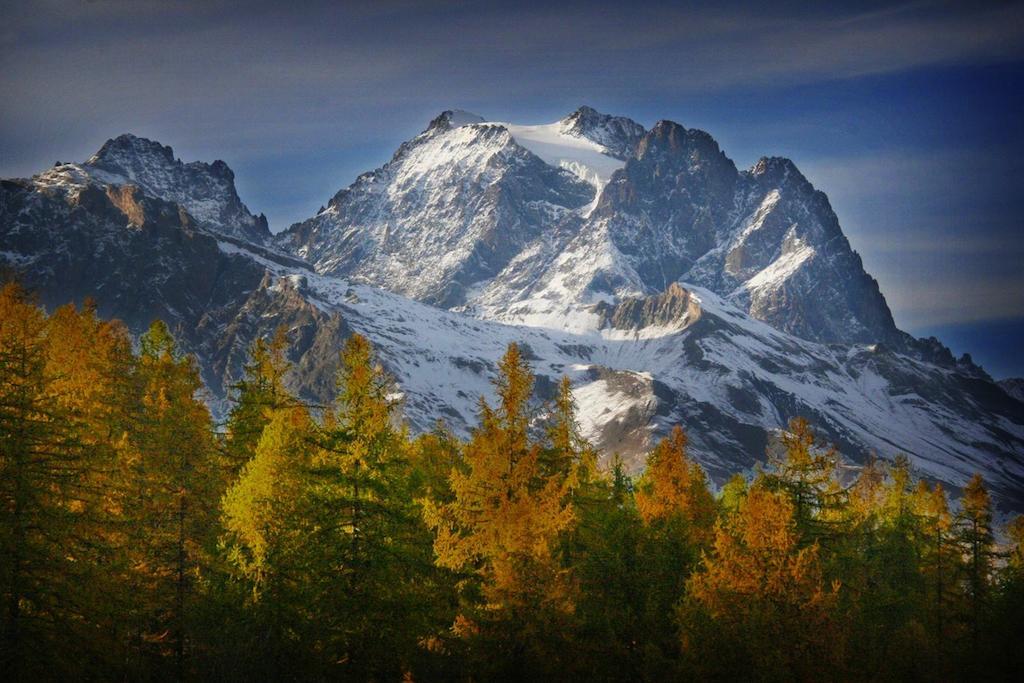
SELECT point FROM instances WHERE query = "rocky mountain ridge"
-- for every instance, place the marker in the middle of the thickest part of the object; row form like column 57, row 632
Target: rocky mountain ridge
column 674, row 209
column 206, row 191
column 476, row 232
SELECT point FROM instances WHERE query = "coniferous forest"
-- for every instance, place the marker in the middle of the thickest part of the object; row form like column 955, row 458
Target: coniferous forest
column 141, row 540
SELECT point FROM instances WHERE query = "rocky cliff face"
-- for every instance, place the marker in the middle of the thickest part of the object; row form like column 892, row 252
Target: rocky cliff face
column 618, row 135
column 669, row 286
column 206, row 191
column 1014, row 386
column 74, row 233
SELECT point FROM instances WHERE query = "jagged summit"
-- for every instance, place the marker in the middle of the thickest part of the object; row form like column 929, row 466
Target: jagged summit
column 125, row 149
column 669, row 137
column 450, row 209
column 454, row 118
column 206, row 190
column 617, row 134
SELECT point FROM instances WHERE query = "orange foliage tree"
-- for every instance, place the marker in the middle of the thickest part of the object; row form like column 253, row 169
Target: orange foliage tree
column 762, row 595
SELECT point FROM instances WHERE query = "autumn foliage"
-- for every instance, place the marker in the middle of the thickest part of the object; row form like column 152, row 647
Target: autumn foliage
column 140, row 540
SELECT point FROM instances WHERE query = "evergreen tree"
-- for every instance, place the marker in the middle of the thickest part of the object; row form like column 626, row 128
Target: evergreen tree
column 260, row 392
column 176, row 481
column 379, row 574
column 612, row 576
column 884, row 594
column 347, row 550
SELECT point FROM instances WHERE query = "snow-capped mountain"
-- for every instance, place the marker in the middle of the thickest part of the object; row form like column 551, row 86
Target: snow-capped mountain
column 206, row 191
column 449, row 221
column 669, row 286
column 450, row 209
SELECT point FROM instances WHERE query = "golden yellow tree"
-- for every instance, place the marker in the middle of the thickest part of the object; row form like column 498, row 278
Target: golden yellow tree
column 806, row 470
column 503, row 526
column 675, row 485
column 266, row 539
column 61, row 413
column 764, row 594
column 176, row 480
column 974, row 534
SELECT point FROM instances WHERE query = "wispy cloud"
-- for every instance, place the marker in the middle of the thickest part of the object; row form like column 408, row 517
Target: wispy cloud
column 290, row 75
column 939, row 229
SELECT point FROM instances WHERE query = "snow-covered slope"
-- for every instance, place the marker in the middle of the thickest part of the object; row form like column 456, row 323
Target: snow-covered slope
column 589, row 144
column 457, row 219
column 730, row 379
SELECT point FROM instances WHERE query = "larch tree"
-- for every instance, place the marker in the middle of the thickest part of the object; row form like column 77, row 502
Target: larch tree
column 939, row 565
column 678, row 514
column 673, row 485
column 92, row 370
column 266, row 539
column 760, row 595
column 43, row 469
column 976, row 541
column 806, row 471
column 177, row 478
column 503, row 530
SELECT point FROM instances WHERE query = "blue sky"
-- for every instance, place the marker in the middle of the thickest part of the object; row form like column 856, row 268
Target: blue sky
column 909, row 116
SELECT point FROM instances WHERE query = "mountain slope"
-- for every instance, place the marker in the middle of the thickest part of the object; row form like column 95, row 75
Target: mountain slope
column 669, row 207
column 692, row 358
column 646, row 293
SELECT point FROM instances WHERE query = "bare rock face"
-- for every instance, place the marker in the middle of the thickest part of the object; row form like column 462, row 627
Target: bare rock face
column 206, row 191
column 672, row 308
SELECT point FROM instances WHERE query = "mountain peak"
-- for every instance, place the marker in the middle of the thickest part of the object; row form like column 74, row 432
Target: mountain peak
column 454, row 118
column 126, row 145
column 206, row 191
column 776, row 169
column 618, row 134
